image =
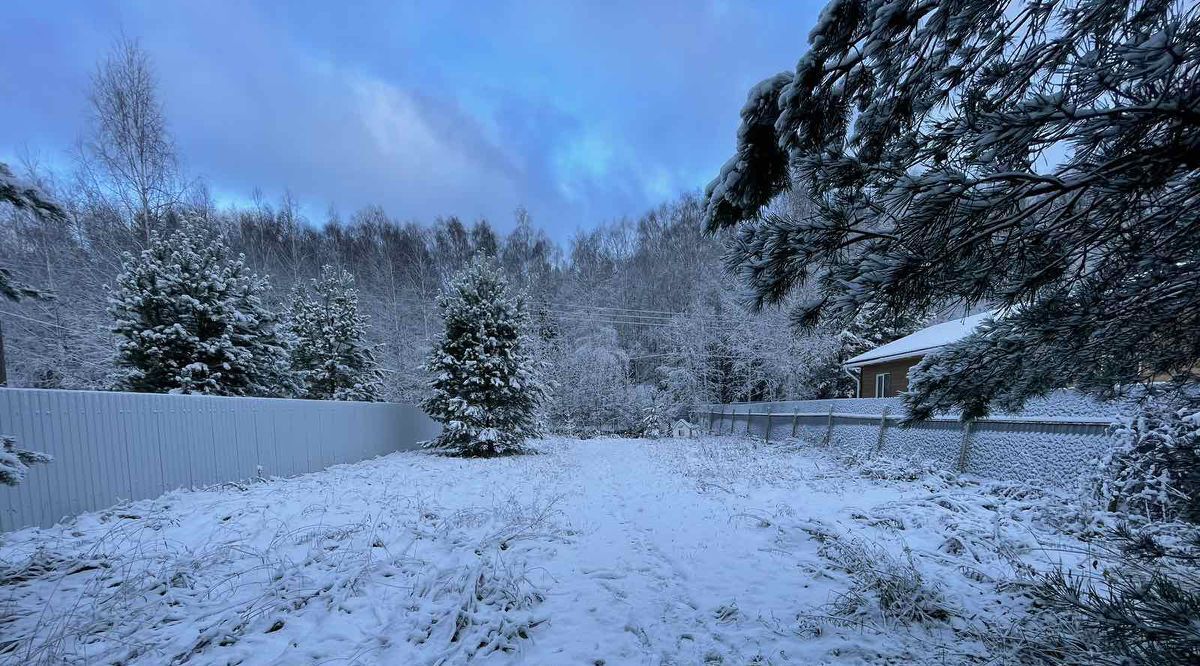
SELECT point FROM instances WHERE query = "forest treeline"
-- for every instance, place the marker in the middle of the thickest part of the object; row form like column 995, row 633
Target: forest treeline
column 628, row 314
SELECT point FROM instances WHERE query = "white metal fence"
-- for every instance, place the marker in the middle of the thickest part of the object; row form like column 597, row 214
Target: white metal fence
column 1042, row 447
column 111, row 446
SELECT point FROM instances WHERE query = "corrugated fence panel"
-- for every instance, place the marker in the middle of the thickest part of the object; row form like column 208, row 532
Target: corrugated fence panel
column 1050, row 447
column 1037, row 452
column 111, row 446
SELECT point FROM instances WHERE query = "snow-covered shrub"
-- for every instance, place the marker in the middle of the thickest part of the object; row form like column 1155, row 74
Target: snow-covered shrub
column 1142, row 603
column 476, row 611
column 14, row 462
column 1154, row 472
column 883, row 468
column 486, row 388
column 46, row 377
column 654, row 414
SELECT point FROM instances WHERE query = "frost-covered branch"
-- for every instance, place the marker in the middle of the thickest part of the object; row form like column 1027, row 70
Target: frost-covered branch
column 15, row 462
column 1038, row 158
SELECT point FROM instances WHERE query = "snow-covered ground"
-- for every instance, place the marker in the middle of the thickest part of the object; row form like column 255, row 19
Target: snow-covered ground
column 718, row 551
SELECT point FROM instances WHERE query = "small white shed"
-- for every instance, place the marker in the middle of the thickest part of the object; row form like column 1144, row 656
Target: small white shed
column 682, row 429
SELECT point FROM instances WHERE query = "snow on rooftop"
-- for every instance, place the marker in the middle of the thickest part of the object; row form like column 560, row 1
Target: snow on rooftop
column 921, row 342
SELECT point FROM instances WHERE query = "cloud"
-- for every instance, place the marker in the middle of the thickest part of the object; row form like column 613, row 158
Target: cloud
column 261, row 111
column 580, row 114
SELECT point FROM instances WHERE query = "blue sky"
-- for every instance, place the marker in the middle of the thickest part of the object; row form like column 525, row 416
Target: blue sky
column 582, row 112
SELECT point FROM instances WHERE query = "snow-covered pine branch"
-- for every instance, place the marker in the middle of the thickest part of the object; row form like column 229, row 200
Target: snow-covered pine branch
column 23, row 196
column 1039, row 157
column 15, row 463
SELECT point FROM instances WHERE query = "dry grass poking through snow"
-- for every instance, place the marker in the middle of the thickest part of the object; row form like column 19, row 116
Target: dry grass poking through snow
column 349, row 565
column 913, row 564
column 884, row 584
column 718, row 551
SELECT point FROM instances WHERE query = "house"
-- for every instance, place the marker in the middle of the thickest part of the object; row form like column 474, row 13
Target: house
column 682, row 429
column 883, row 371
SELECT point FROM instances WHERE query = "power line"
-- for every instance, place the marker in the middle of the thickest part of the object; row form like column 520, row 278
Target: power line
column 37, row 321
column 663, row 315
column 620, row 315
column 606, row 307
column 719, row 325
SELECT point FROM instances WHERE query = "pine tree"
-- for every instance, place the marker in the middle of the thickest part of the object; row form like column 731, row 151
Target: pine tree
column 23, row 196
column 1037, row 157
column 330, row 356
column 486, row 387
column 192, row 321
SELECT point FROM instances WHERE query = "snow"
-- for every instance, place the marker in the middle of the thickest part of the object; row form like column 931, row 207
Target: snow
column 606, row 551
column 921, row 342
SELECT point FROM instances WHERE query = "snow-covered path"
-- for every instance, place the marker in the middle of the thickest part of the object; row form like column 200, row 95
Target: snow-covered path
column 595, row 552
column 662, row 568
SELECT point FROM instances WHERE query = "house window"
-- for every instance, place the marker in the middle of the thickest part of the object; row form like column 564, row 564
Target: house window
column 883, row 384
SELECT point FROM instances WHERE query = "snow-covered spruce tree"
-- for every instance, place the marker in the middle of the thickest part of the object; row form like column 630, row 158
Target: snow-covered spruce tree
column 330, row 356
column 486, row 387
column 654, row 418
column 1035, row 156
column 266, row 365
column 191, row 320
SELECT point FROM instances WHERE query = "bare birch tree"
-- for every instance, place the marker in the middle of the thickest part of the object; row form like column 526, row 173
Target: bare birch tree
column 127, row 157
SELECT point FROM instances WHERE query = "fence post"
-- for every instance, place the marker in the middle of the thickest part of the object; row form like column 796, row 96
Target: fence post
column 732, row 419
column 829, row 428
column 767, row 429
column 966, row 444
column 882, row 431
column 795, row 415
column 3, row 365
